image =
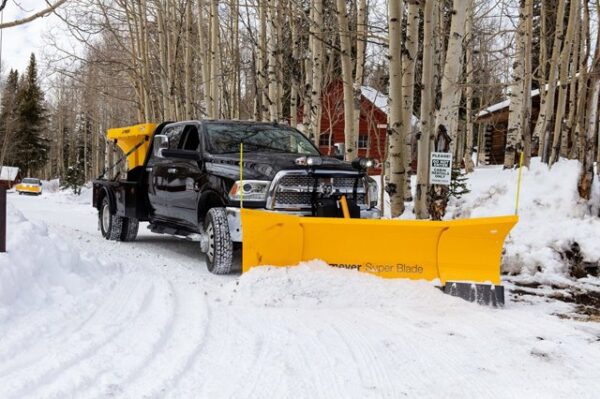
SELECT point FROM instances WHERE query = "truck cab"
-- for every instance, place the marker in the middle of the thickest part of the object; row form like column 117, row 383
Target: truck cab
column 196, row 176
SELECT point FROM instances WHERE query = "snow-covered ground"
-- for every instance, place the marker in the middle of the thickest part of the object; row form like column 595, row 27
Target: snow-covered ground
column 84, row 317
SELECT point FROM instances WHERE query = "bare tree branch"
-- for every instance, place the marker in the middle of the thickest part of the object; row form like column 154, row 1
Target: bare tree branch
column 32, row 17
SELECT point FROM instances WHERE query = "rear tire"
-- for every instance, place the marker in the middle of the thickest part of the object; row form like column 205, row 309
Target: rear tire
column 114, row 227
column 130, row 229
column 219, row 256
column 111, row 226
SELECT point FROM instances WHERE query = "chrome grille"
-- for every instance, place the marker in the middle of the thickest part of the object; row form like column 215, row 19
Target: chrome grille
column 294, row 190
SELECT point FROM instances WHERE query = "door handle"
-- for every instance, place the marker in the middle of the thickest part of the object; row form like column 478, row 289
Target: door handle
column 172, row 170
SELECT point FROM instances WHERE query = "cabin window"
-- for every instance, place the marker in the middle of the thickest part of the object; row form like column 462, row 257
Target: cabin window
column 363, row 141
column 324, row 140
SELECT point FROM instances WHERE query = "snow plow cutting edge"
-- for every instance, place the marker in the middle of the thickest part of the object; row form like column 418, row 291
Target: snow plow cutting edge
column 464, row 255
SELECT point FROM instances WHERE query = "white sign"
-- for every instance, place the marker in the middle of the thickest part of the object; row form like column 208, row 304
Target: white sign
column 440, row 169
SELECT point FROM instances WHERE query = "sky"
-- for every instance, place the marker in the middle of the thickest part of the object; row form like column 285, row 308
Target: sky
column 19, row 42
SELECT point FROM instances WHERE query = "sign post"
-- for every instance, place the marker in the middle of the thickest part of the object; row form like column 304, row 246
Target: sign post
column 2, row 219
column 440, row 169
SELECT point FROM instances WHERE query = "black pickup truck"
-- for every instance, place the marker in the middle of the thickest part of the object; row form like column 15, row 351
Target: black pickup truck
column 189, row 184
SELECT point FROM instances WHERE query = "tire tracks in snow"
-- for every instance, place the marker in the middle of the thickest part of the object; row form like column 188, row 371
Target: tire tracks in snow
column 99, row 330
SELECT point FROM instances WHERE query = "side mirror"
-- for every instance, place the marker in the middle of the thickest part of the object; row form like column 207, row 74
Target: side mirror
column 190, row 155
column 161, row 143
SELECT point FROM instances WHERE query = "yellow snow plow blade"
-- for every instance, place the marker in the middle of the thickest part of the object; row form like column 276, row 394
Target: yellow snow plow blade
column 455, row 250
column 134, row 141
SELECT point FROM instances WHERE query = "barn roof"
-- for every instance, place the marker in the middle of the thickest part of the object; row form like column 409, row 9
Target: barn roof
column 381, row 101
column 8, row 173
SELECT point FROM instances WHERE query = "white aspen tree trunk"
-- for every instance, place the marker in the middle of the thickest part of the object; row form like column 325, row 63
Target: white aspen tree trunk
column 316, row 85
column 214, row 59
column 447, row 117
column 543, row 68
column 567, row 138
column 348, row 80
column 468, row 158
column 279, row 21
column 559, row 124
column 262, row 60
column 396, row 148
column 188, row 62
column 427, row 111
column 236, row 86
column 131, row 17
column 516, row 115
column 308, row 77
column 359, row 75
column 171, row 64
column 204, row 56
column 586, row 178
column 272, row 47
column 294, row 70
column 409, row 55
column 547, row 99
column 527, row 79
column 582, row 83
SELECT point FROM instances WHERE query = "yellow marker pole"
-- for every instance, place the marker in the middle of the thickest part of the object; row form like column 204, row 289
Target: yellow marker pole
column 345, row 209
column 519, row 183
column 241, row 175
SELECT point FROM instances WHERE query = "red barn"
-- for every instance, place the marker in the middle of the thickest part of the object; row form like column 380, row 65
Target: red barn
column 372, row 132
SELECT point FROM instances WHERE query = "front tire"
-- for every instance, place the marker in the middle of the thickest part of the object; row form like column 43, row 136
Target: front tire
column 219, row 254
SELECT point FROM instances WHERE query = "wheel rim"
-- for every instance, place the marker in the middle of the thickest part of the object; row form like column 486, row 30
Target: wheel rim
column 105, row 217
column 210, row 232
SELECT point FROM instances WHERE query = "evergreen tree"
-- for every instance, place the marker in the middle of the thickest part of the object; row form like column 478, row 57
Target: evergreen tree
column 8, row 118
column 32, row 149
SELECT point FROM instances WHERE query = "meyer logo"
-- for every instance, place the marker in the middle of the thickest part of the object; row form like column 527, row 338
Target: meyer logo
column 378, row 268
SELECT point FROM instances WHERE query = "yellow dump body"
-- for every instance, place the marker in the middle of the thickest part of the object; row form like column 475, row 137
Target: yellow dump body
column 456, row 250
column 127, row 138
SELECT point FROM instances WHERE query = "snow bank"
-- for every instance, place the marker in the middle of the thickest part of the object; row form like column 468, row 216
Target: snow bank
column 552, row 216
column 40, row 269
column 66, row 196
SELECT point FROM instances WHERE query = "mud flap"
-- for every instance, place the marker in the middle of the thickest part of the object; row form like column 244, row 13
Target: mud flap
column 483, row 294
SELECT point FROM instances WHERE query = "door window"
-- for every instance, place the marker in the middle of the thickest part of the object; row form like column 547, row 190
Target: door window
column 174, row 134
column 190, row 139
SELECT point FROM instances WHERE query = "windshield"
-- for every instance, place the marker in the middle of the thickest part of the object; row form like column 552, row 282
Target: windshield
column 224, row 138
column 31, row 181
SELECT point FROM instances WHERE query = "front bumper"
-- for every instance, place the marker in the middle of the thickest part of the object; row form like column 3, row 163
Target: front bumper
column 234, row 219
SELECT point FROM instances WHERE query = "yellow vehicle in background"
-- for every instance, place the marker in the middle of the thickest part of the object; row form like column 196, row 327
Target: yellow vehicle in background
column 30, row 186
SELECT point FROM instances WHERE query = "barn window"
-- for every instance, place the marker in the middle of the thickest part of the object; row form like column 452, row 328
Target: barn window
column 363, row 141
column 324, row 140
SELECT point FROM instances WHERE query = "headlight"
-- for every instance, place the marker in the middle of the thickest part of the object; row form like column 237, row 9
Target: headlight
column 363, row 163
column 249, row 190
column 373, row 192
column 309, row 161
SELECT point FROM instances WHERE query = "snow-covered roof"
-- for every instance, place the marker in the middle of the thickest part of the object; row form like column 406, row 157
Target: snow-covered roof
column 501, row 105
column 381, row 101
column 8, row 173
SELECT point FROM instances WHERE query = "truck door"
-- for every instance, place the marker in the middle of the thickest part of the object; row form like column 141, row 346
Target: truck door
column 185, row 180
column 159, row 172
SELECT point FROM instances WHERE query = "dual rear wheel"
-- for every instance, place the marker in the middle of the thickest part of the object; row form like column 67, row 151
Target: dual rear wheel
column 114, row 227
